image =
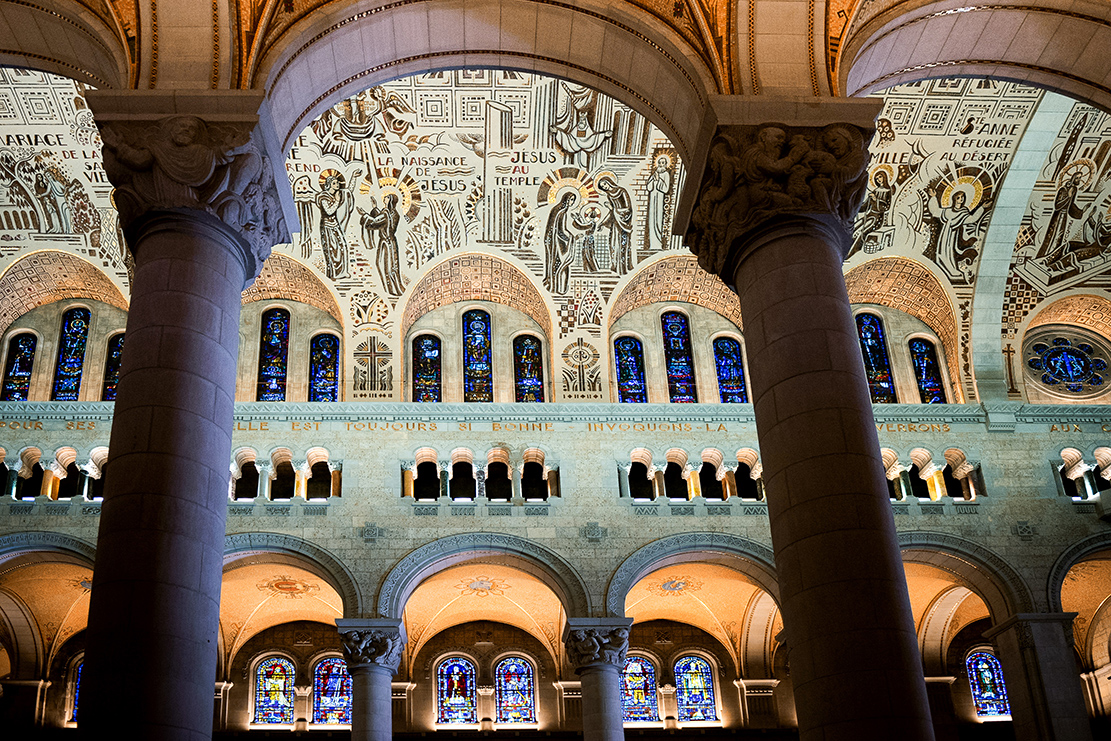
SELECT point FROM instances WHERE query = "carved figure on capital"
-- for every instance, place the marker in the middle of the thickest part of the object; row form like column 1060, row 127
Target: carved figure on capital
column 587, row 646
column 182, row 162
column 381, row 647
column 755, row 173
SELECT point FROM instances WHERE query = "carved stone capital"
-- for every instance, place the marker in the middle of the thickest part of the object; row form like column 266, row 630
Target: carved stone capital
column 174, row 153
column 372, row 642
column 594, row 641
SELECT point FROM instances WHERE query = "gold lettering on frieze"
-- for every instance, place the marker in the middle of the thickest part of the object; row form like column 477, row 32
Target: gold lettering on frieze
column 73, row 424
column 304, row 426
column 391, row 426
column 1069, row 427
column 29, row 424
column 252, row 427
column 911, row 427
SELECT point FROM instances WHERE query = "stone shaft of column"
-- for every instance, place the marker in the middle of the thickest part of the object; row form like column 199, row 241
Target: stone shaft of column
column 601, row 703
column 154, row 610
column 371, row 703
column 854, row 657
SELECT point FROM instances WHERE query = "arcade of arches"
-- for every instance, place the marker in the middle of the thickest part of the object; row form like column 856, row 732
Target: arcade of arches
column 555, row 368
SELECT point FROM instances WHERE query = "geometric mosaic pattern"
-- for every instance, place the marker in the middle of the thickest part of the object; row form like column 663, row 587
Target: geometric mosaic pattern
column 905, row 285
column 1092, row 312
column 476, row 277
column 285, row 278
column 45, row 277
column 678, row 279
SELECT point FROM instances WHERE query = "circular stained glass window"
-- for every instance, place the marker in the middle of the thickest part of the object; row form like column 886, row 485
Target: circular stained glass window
column 1067, row 366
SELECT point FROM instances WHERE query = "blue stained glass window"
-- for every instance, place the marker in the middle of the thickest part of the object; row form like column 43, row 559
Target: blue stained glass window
column 17, row 373
column 678, row 358
column 426, row 368
column 478, row 369
column 76, row 691
column 628, row 353
column 324, row 368
column 877, row 366
column 985, row 676
column 112, row 360
column 71, row 355
column 273, row 355
column 731, row 371
column 528, row 368
column 638, row 691
column 455, row 692
column 274, row 691
column 514, row 691
column 694, row 689
column 331, row 692
column 931, row 389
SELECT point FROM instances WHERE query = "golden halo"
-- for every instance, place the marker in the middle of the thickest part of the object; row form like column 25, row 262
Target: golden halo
column 563, row 184
column 401, row 190
column 972, row 188
column 605, row 174
column 325, row 174
column 665, row 157
column 1085, row 167
column 885, row 168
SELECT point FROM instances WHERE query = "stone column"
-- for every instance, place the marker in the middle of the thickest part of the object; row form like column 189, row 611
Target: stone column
column 596, row 649
column 773, row 217
column 1042, row 676
column 200, row 214
column 372, row 649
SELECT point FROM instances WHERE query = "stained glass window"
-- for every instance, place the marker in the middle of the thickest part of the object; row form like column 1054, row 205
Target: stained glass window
column 274, row 691
column 324, row 368
column 1067, row 366
column 628, row 353
column 426, row 368
column 528, row 368
column 71, row 355
column 273, row 355
column 455, row 692
column 76, row 691
column 478, row 369
column 514, row 693
column 678, row 358
column 331, row 692
column 877, row 367
column 638, row 691
column 931, row 389
column 731, row 371
column 112, row 360
column 985, row 676
column 694, row 689
column 17, row 373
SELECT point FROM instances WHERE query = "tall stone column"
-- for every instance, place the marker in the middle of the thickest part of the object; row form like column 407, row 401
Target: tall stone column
column 773, row 217
column 1042, row 676
column 200, row 213
column 372, row 649
column 596, row 649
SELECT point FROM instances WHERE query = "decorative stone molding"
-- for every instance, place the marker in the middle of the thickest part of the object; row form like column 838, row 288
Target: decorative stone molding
column 16, row 543
column 368, row 642
column 594, row 641
column 1071, row 556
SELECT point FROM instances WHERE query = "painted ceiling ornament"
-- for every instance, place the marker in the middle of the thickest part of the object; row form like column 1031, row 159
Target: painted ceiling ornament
column 287, row 586
column 675, row 586
column 1064, row 365
column 757, row 173
column 481, row 586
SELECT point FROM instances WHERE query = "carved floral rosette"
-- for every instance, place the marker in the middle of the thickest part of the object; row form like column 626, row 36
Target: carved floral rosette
column 375, row 646
column 757, row 173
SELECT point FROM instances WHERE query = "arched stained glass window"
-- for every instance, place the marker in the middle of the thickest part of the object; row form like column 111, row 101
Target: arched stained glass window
column 514, row 691
column 931, row 389
column 694, row 689
column 71, row 355
column 76, row 692
column 877, row 366
column 331, row 692
column 985, row 677
column 678, row 358
column 731, row 371
column 17, row 372
column 273, row 355
column 638, row 691
column 324, row 368
column 628, row 354
column 112, row 360
column 455, row 692
column 274, row 691
column 478, row 368
column 528, row 368
column 426, row 368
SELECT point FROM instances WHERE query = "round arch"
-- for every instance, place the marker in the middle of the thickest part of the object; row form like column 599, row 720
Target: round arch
column 756, row 561
column 675, row 278
column 631, row 56
column 307, row 555
column 984, row 572
column 1071, row 556
column 71, row 39
column 66, row 547
column 543, row 563
column 285, row 278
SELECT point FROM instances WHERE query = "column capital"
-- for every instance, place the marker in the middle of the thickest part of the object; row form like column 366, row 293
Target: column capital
column 369, row 642
column 168, row 151
column 596, row 641
column 763, row 161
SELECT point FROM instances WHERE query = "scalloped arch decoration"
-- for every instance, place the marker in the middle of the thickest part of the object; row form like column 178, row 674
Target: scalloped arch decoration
column 677, row 279
column 1088, row 311
column 283, row 277
column 42, row 278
